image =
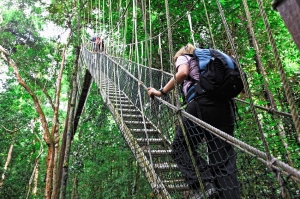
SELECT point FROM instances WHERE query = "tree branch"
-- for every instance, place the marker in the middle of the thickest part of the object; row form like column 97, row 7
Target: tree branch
column 5, row 55
column 12, row 131
column 58, row 83
column 44, row 89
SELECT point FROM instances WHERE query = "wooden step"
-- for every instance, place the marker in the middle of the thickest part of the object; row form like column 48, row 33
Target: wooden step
column 165, row 167
column 118, row 98
column 117, row 95
column 159, row 152
column 138, row 124
column 152, row 141
column 129, row 110
column 140, row 133
column 125, row 106
column 176, row 187
column 130, row 117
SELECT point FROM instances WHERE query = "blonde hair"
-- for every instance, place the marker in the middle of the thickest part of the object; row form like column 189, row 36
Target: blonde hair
column 188, row 49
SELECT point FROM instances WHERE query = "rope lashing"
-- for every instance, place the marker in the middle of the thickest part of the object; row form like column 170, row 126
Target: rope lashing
column 272, row 161
column 271, row 110
column 178, row 111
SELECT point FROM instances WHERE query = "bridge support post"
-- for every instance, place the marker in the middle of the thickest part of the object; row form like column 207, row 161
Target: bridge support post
column 290, row 13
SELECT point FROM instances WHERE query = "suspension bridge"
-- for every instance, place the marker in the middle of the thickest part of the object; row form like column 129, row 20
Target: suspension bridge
column 148, row 125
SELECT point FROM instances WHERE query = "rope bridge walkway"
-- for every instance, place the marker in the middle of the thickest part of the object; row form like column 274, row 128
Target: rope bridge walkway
column 261, row 160
column 148, row 126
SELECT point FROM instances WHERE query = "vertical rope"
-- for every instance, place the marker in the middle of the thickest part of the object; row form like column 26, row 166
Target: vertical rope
column 142, row 52
column 103, row 18
column 170, row 40
column 110, row 17
column 246, row 87
column 88, row 15
column 286, row 87
column 209, row 25
column 150, row 47
column 107, row 78
column 91, row 13
column 119, row 49
column 191, row 27
column 130, row 58
column 250, row 26
column 139, row 78
column 99, row 14
column 126, row 24
column 83, row 20
column 146, row 37
column 266, row 82
column 161, row 61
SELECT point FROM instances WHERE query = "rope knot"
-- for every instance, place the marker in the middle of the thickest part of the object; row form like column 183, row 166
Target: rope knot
column 271, row 110
column 271, row 162
column 178, row 110
column 140, row 82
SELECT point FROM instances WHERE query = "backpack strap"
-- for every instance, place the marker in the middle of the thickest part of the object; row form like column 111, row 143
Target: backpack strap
column 189, row 78
column 191, row 90
column 191, row 94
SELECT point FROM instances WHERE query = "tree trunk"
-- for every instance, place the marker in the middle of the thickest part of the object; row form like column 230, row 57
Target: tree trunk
column 51, row 152
column 34, row 175
column 49, row 171
column 62, row 156
column 70, row 126
column 75, row 187
column 55, row 174
column 7, row 163
column 35, row 182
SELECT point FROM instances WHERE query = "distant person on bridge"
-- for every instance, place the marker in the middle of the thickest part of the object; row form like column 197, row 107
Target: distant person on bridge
column 98, row 44
column 219, row 174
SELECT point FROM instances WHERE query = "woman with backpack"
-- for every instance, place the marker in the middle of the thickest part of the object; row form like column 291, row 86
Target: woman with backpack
column 219, row 174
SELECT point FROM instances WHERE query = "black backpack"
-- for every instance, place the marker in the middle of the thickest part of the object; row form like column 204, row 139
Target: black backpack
column 219, row 75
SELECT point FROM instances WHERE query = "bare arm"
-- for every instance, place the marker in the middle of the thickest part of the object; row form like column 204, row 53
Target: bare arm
column 181, row 75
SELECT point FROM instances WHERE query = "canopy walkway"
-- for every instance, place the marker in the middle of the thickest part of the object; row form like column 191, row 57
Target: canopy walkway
column 148, row 127
column 266, row 137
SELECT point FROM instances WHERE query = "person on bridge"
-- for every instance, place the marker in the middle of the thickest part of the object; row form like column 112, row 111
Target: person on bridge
column 98, row 44
column 219, row 174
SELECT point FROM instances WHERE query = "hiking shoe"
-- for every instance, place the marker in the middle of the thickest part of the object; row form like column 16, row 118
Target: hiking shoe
column 210, row 191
